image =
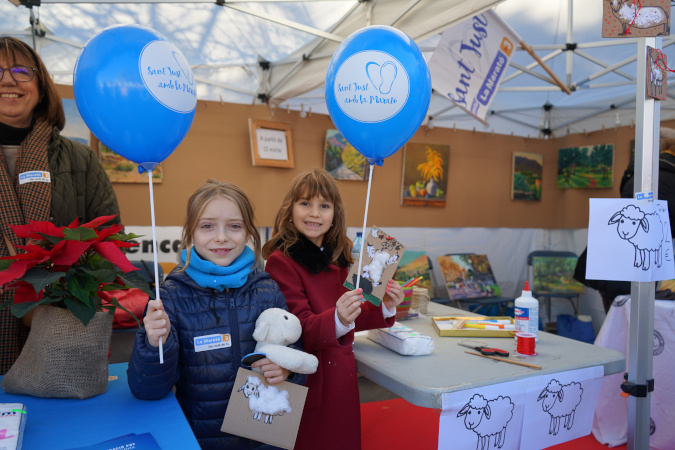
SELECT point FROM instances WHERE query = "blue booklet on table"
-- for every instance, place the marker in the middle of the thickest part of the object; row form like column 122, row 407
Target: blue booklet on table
column 132, row 441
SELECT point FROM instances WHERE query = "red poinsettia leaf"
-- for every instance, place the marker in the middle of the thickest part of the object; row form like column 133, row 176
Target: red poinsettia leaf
column 113, row 254
column 74, row 224
column 34, row 249
column 107, row 232
column 97, row 222
column 16, row 270
column 35, row 230
column 65, row 253
column 25, row 293
column 40, row 254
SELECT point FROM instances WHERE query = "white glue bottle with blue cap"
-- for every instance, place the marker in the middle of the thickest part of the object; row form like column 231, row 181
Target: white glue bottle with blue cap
column 527, row 313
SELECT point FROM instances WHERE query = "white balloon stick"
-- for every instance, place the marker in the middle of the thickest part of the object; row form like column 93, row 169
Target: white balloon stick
column 363, row 229
column 154, row 254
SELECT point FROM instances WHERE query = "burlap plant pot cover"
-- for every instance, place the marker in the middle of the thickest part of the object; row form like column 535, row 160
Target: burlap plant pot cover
column 62, row 358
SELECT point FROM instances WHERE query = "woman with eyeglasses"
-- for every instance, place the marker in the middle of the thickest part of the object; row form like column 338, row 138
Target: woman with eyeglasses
column 43, row 175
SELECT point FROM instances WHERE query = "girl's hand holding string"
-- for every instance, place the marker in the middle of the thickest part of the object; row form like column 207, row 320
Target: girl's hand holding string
column 157, row 324
column 273, row 373
column 348, row 306
column 394, row 295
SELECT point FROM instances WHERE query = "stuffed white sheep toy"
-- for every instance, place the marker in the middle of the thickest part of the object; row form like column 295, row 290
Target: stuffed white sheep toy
column 275, row 330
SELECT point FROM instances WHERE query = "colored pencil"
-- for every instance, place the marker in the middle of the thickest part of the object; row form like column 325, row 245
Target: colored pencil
column 406, row 283
column 412, row 282
column 510, row 361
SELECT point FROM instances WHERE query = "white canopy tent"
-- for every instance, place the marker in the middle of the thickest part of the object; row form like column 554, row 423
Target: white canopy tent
column 254, row 51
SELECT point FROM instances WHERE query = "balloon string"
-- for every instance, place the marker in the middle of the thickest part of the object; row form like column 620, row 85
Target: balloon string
column 363, row 229
column 154, row 255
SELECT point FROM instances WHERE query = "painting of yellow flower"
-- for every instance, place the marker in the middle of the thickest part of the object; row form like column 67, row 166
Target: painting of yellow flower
column 425, row 174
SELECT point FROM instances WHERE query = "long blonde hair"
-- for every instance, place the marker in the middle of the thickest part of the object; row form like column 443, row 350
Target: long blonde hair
column 210, row 190
column 307, row 185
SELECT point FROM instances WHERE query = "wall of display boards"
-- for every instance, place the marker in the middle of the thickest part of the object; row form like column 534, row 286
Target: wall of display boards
column 479, row 173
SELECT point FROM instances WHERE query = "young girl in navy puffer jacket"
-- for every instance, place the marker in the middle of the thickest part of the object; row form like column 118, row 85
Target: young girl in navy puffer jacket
column 217, row 294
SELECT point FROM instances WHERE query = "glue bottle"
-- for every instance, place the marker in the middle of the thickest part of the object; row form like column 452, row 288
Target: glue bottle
column 527, row 313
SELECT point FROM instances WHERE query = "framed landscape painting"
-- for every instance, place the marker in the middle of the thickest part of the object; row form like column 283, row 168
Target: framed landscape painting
column 425, row 174
column 467, row 275
column 342, row 160
column 75, row 127
column 586, row 167
column 120, row 169
column 526, row 180
column 414, row 264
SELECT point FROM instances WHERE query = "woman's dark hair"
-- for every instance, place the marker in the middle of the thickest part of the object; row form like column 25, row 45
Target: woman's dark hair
column 49, row 108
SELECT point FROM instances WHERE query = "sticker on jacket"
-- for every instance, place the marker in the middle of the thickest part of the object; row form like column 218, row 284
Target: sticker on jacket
column 212, row 342
column 35, row 176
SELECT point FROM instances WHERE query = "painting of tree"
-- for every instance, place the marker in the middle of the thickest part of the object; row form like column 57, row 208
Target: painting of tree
column 527, row 173
column 586, row 167
column 468, row 275
column 342, row 160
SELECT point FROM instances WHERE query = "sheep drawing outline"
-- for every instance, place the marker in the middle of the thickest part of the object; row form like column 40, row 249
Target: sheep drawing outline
column 560, row 402
column 265, row 400
column 646, row 17
column 644, row 231
column 487, row 418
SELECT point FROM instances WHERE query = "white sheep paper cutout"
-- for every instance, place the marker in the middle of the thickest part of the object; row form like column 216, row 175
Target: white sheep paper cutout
column 561, row 402
column 265, row 400
column 644, row 231
column 379, row 260
column 488, row 418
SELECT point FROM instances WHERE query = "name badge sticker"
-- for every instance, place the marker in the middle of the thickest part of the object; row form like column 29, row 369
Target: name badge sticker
column 212, row 342
column 35, row 176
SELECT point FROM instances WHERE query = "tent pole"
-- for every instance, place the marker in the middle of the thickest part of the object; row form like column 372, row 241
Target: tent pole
column 570, row 53
column 640, row 353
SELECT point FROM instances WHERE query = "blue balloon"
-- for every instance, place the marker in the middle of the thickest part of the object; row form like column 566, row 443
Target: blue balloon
column 136, row 92
column 378, row 89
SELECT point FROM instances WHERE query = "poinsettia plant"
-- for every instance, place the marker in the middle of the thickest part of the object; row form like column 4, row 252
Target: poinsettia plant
column 68, row 266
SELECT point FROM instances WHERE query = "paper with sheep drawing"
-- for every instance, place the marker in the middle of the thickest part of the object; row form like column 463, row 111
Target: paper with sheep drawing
column 629, row 240
column 262, row 412
column 514, row 415
column 380, row 257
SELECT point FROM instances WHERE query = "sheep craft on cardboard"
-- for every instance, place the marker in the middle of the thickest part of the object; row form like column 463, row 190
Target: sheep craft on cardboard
column 378, row 263
column 254, row 404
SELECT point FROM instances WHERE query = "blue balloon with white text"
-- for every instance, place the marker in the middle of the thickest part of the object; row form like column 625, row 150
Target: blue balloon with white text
column 136, row 92
column 378, row 89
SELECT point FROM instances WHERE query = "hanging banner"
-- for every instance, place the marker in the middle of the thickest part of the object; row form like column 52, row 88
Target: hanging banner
column 470, row 60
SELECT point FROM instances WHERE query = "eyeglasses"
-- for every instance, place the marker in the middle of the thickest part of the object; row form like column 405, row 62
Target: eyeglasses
column 22, row 74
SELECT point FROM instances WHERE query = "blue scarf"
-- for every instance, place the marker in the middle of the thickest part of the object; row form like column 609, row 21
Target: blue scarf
column 210, row 275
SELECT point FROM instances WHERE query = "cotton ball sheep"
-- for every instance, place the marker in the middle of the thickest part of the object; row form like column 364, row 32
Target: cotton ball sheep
column 487, row 418
column 560, row 401
column 267, row 400
column 379, row 260
column 275, row 330
column 644, row 231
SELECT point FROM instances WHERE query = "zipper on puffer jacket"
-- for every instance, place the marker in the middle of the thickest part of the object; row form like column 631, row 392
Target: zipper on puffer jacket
column 234, row 328
column 212, row 304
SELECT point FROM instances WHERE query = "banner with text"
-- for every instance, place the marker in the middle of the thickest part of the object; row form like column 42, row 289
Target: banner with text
column 470, row 60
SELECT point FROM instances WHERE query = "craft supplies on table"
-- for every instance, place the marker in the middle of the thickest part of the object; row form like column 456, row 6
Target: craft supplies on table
column 480, row 326
column 403, row 340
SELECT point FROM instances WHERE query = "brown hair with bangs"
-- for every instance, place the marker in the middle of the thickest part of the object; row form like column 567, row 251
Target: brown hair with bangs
column 307, row 185
column 49, row 108
column 211, row 190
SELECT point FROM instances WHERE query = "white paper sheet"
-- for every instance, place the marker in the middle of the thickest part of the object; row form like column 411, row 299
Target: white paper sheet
column 559, row 407
column 462, row 426
column 629, row 240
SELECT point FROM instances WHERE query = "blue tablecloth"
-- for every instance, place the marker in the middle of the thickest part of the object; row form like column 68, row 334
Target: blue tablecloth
column 57, row 424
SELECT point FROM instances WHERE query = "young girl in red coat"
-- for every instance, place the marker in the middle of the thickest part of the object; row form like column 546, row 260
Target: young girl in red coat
column 309, row 256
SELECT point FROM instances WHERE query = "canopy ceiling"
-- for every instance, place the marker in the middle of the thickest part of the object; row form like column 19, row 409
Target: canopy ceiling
column 277, row 52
